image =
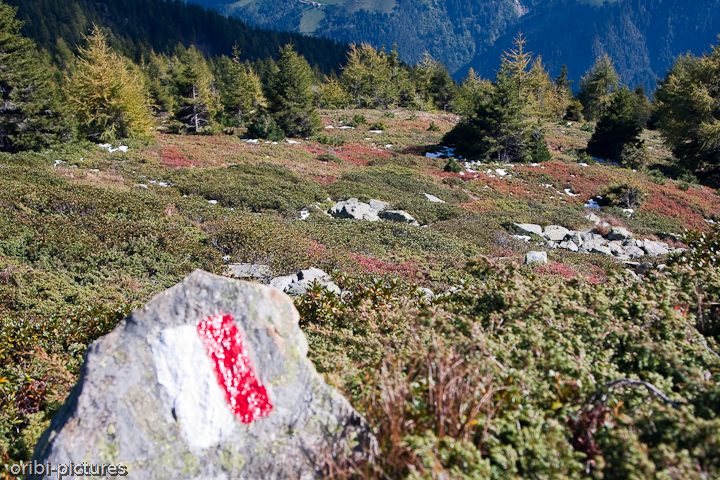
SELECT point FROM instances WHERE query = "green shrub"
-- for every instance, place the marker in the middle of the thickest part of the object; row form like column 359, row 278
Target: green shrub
column 452, row 166
column 657, row 177
column 625, row 194
column 388, row 114
column 588, row 127
column 264, row 127
column 329, row 140
column 328, row 157
column 378, row 126
column 688, row 177
column 684, row 186
column 359, row 119
column 433, row 127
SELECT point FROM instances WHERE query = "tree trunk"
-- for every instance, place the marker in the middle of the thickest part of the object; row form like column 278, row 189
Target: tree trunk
column 195, row 114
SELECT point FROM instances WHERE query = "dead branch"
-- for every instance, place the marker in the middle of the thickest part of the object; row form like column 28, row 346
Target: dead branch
column 627, row 381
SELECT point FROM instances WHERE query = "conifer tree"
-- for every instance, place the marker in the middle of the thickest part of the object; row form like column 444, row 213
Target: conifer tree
column 617, row 128
column 240, row 89
column 290, row 97
column 30, row 114
column 515, row 65
column 158, row 78
column 107, row 94
column 563, row 93
column 471, row 92
column 331, row 95
column 597, row 86
column 688, row 110
column 198, row 99
column 368, row 76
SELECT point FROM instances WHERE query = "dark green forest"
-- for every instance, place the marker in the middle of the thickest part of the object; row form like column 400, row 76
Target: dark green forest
column 141, row 25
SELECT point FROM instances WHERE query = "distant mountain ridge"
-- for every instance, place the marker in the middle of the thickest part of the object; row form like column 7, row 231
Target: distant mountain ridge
column 642, row 36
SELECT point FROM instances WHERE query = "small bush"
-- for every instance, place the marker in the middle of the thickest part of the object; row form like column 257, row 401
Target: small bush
column 624, row 194
column 328, row 157
column 378, row 126
column 329, row 140
column 359, row 119
column 452, row 166
column 574, row 112
column 388, row 114
column 684, row 186
column 656, row 176
column 266, row 128
column 588, row 127
column 635, row 156
column 433, row 127
column 688, row 177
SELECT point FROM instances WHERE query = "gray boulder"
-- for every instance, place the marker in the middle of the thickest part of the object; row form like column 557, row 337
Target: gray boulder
column 536, row 257
column 569, row 245
column 600, row 249
column 590, row 237
column 634, row 252
column 530, row 228
column 593, row 218
column 354, row 209
column 576, row 238
column 378, row 206
column 616, row 248
column 311, row 274
column 619, row 233
column 655, row 248
column 156, row 396
column 433, row 198
column 399, row 216
column 556, row 233
column 282, row 283
column 243, row 271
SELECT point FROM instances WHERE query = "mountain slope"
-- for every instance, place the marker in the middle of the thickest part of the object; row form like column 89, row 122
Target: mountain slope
column 138, row 25
column 642, row 36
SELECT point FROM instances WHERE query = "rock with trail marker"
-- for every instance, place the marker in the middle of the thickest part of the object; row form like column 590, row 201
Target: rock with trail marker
column 209, row 380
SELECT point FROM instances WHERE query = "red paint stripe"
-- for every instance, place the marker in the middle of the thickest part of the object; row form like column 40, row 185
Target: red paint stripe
column 244, row 393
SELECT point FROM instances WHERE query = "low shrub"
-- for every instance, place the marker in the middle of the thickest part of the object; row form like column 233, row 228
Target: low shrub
column 265, row 127
column 329, row 157
column 433, row 127
column 328, row 140
column 378, row 126
column 452, row 166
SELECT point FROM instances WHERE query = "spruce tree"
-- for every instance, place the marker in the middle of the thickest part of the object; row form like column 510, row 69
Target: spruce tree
column 368, row 77
column 290, row 97
column 617, row 128
column 197, row 97
column 107, row 93
column 30, row 116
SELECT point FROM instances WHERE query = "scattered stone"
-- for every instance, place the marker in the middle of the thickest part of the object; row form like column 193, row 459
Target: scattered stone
column 248, row 270
column 353, row 209
column 551, row 244
column 576, row 238
column 593, row 218
column 312, row 274
column 150, row 393
column 282, row 283
column 399, row 216
column 433, row 198
column 569, row 245
column 601, row 249
column 616, row 248
column 530, row 228
column 619, row 233
column 655, row 248
column 538, row 257
column 556, row 233
column 643, row 268
column 426, row 293
column 634, row 252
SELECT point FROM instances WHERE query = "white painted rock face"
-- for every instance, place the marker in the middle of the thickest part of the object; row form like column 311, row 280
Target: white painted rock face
column 210, row 379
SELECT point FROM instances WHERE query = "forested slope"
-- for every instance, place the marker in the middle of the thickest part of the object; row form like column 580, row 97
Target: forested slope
column 138, row 25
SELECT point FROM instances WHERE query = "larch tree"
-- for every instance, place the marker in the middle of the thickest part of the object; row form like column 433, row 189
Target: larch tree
column 194, row 84
column 597, row 87
column 107, row 94
column 241, row 90
column 367, row 76
column 290, row 97
column 30, row 116
column 688, row 110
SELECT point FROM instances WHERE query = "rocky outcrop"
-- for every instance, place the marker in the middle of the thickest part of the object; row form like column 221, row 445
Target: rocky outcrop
column 210, row 379
column 372, row 211
column 618, row 242
column 299, row 283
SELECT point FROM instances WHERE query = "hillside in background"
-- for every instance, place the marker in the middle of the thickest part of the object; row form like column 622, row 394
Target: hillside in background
column 139, row 25
column 642, row 36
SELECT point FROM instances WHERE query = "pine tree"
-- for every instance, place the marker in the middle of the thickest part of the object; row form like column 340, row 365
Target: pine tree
column 198, row 102
column 597, row 86
column 617, row 128
column 30, row 116
column 158, row 78
column 290, row 97
column 107, row 94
